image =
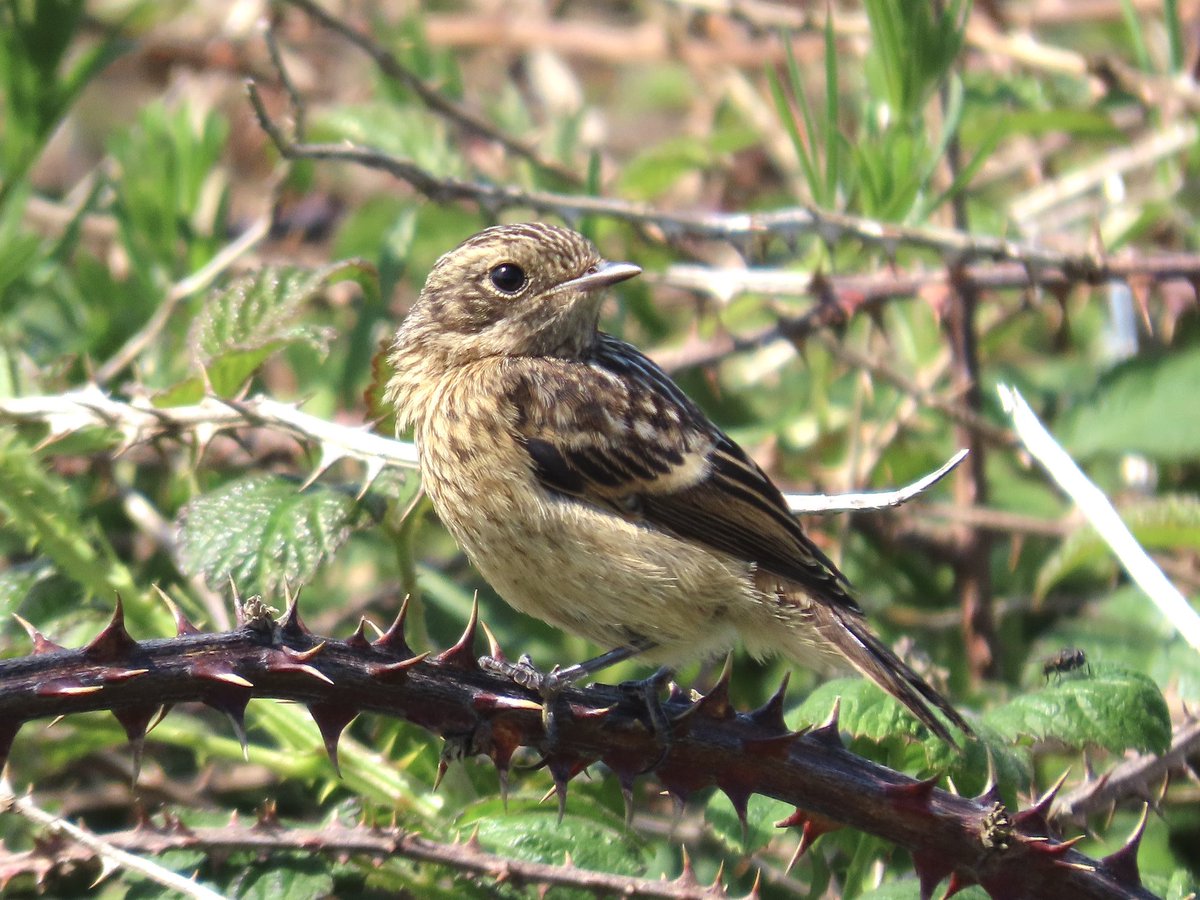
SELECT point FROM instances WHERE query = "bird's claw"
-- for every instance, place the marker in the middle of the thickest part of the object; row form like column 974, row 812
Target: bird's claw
column 527, row 675
column 647, row 690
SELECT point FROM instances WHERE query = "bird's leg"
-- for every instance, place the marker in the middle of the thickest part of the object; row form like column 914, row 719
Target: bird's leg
column 548, row 684
column 557, row 679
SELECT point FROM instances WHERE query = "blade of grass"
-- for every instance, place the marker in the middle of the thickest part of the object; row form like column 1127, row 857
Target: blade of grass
column 832, row 156
column 788, row 118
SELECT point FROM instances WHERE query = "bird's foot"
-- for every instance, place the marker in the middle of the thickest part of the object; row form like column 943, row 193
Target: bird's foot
column 526, row 674
column 551, row 684
column 647, row 691
column 548, row 684
column 522, row 672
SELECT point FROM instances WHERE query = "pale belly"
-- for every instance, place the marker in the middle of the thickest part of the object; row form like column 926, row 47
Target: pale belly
column 598, row 576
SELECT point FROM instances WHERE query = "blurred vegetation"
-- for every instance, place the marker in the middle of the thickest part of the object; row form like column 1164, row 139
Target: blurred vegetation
column 130, row 162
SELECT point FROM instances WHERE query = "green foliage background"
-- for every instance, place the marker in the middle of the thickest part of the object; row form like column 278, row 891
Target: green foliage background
column 122, row 177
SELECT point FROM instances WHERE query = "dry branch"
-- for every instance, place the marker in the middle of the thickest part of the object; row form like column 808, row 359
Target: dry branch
column 747, row 230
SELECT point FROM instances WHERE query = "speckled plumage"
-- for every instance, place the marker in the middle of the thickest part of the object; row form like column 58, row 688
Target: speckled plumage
column 590, row 491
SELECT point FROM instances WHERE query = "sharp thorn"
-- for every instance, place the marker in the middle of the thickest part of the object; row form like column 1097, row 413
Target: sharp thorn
column 494, row 650
column 40, row 643
column 239, row 728
column 770, row 714
column 291, row 625
column 392, row 640
column 462, row 654
column 182, row 625
column 358, row 640
column 114, row 641
column 715, row 704
column 687, row 875
column 332, row 719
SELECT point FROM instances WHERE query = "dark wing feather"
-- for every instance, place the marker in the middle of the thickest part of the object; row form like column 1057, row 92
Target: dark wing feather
column 643, row 450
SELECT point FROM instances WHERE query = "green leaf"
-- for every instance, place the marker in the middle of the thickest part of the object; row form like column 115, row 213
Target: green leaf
column 284, row 875
column 247, row 321
column 1124, row 629
column 1182, row 885
column 866, row 710
column 36, row 589
column 761, row 815
column 17, row 581
column 1175, row 39
column 913, row 46
column 184, row 862
column 263, row 531
column 251, row 312
column 171, row 197
column 1059, row 120
column 536, row 835
column 1167, row 523
column 869, row 714
column 1110, row 707
column 37, row 88
column 1138, row 407
column 42, row 509
column 404, row 130
column 19, row 253
column 379, row 411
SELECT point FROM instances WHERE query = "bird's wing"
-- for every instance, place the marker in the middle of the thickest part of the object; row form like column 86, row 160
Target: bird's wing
column 616, row 432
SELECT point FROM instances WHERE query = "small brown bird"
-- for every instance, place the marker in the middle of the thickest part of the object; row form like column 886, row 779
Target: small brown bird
column 591, row 492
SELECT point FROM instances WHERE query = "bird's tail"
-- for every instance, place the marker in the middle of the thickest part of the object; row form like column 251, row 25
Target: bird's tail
column 869, row 655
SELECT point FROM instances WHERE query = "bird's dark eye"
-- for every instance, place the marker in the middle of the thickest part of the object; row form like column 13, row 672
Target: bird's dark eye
column 508, row 278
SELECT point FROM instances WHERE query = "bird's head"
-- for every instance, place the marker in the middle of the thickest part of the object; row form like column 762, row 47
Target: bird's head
column 512, row 290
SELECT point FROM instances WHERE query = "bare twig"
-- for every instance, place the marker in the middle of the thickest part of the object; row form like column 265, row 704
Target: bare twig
column 925, row 396
column 1170, row 140
column 384, row 843
column 295, row 98
column 1018, row 45
column 139, row 421
column 101, row 847
column 787, row 224
column 1130, row 779
column 480, row 712
column 854, row 291
column 1097, row 509
column 91, row 407
column 1002, row 521
column 842, row 297
column 432, row 98
column 822, row 503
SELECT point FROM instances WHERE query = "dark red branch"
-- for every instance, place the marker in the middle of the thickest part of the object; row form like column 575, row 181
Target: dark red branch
column 973, row 565
column 970, row 840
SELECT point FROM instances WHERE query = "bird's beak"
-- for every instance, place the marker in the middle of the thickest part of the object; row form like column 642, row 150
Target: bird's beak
column 603, row 275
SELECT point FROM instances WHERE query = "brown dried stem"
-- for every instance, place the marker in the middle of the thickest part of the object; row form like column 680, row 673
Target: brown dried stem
column 972, row 565
column 390, row 66
column 841, row 298
column 1131, row 779
column 271, row 836
column 745, row 229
